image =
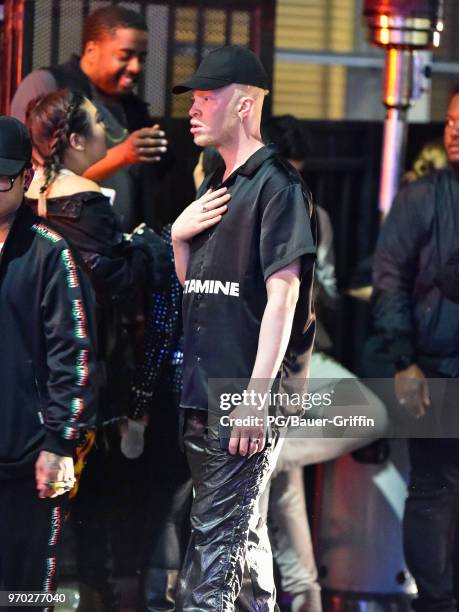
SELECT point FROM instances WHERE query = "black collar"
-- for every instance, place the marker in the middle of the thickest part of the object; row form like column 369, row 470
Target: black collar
column 255, row 160
column 249, row 166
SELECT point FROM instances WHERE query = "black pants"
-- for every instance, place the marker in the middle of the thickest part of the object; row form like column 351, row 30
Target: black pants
column 430, row 521
column 30, row 537
column 166, row 501
column 228, row 564
column 168, row 489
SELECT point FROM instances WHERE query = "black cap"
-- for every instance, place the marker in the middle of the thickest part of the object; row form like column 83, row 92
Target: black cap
column 15, row 146
column 223, row 66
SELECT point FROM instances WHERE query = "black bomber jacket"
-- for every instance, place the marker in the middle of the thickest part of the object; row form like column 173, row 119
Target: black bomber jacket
column 47, row 367
column 413, row 312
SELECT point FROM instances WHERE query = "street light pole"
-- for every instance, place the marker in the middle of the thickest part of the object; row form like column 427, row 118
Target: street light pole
column 402, row 28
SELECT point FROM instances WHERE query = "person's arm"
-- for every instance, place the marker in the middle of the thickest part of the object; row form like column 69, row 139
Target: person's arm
column 394, row 274
column 37, row 83
column 67, row 316
column 201, row 214
column 283, row 289
column 142, row 146
column 287, row 251
column 276, row 326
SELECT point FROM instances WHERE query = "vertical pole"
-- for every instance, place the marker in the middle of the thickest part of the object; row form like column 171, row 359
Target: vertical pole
column 11, row 52
column 398, row 92
column 393, row 158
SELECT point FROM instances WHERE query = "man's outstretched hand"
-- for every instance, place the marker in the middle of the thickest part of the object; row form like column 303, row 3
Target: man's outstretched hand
column 144, row 146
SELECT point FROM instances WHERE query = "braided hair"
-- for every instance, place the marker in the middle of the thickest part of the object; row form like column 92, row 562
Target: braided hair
column 51, row 119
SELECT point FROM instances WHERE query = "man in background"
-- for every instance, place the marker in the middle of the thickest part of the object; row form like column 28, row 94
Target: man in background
column 420, row 328
column 114, row 50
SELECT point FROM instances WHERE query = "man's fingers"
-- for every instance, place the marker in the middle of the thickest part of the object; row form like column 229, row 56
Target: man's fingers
column 149, row 132
column 212, row 205
column 426, row 394
column 413, row 405
column 253, row 447
column 234, row 442
column 150, row 141
column 214, row 213
column 247, row 442
column 149, row 151
column 243, row 446
column 210, row 195
column 206, row 224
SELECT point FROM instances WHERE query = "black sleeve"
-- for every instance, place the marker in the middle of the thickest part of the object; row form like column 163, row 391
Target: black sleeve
column 116, row 266
column 395, row 267
column 448, row 278
column 68, row 317
column 286, row 232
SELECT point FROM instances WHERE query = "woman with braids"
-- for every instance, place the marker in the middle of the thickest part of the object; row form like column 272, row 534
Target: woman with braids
column 68, row 137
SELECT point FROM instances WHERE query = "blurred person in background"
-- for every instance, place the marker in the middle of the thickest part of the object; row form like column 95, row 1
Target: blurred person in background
column 431, row 157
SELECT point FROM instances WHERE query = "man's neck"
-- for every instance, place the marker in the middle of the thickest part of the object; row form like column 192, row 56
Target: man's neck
column 235, row 155
column 87, row 72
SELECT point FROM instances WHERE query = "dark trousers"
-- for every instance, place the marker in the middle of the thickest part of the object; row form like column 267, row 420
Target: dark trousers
column 166, row 501
column 30, row 538
column 228, row 564
column 430, row 522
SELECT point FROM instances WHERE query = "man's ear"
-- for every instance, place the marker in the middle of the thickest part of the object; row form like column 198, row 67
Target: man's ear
column 28, row 177
column 91, row 51
column 77, row 141
column 245, row 104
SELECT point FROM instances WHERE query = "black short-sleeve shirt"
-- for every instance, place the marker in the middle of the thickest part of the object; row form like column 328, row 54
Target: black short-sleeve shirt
column 266, row 227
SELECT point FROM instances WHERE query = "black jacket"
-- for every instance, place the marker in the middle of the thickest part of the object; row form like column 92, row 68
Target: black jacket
column 411, row 311
column 115, row 266
column 448, row 277
column 47, row 373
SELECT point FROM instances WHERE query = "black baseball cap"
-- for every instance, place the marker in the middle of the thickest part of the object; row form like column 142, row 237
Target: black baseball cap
column 15, row 146
column 223, row 66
